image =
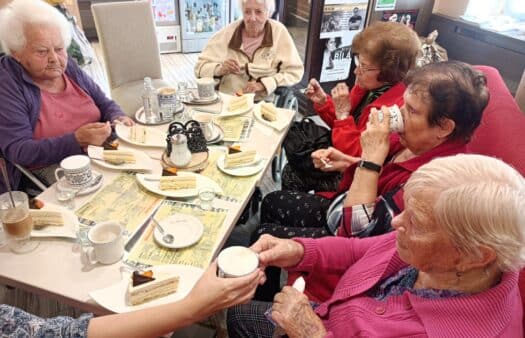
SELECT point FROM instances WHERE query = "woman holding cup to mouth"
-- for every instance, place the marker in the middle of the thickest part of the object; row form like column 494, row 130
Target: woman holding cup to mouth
column 443, row 106
column 383, row 54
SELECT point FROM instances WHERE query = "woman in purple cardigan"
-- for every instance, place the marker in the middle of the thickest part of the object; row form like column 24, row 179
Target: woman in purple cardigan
column 50, row 108
column 449, row 270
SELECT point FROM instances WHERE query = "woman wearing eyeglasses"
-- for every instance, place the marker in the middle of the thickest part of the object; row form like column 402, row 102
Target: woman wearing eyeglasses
column 384, row 53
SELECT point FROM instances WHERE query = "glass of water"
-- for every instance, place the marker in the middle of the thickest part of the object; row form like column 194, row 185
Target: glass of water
column 66, row 194
column 206, row 197
column 183, row 94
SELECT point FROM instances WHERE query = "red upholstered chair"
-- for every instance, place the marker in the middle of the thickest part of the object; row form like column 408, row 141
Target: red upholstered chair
column 501, row 133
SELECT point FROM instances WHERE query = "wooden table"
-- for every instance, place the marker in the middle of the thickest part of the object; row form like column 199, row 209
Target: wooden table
column 55, row 269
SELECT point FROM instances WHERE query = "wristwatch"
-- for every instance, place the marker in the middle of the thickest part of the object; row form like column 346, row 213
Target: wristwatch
column 369, row 165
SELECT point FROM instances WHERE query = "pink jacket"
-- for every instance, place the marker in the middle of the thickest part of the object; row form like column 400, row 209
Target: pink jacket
column 362, row 263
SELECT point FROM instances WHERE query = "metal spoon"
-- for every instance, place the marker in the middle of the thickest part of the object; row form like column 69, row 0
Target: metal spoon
column 6, row 180
column 168, row 238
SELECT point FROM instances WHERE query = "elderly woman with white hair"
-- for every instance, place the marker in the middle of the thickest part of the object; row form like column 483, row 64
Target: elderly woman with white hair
column 450, row 269
column 254, row 55
column 51, row 109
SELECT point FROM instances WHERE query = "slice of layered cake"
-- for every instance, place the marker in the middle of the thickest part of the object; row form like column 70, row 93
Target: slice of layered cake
column 138, row 134
column 177, row 182
column 144, row 287
column 236, row 157
column 268, row 112
column 42, row 218
column 238, row 103
column 119, row 156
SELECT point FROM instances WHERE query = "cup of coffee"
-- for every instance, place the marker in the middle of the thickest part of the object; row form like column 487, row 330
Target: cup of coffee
column 206, row 87
column 167, row 102
column 237, row 261
column 17, row 221
column 76, row 169
column 107, row 243
column 206, row 124
column 396, row 119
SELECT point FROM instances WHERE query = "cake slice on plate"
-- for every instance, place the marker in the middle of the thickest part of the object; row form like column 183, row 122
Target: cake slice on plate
column 42, row 218
column 238, row 103
column 145, row 287
column 236, row 157
column 268, row 112
column 119, row 156
column 177, row 182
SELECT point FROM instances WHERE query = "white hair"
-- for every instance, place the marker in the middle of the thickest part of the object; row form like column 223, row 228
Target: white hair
column 268, row 4
column 20, row 13
column 480, row 201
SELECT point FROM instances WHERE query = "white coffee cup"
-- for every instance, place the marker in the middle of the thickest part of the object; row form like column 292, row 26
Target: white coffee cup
column 206, row 87
column 206, row 123
column 107, row 243
column 76, row 169
column 237, row 261
column 396, row 119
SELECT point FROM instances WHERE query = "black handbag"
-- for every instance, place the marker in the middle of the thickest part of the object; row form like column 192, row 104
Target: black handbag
column 193, row 132
column 302, row 140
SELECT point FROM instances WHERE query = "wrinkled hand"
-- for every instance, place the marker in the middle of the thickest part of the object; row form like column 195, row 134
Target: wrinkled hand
column 93, row 133
column 253, row 87
column 229, row 66
column 212, row 293
column 126, row 120
column 315, row 93
column 292, row 311
column 341, row 98
column 278, row 252
column 331, row 159
column 374, row 140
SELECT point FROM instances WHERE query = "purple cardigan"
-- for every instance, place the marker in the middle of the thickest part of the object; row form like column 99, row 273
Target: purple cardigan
column 362, row 263
column 19, row 112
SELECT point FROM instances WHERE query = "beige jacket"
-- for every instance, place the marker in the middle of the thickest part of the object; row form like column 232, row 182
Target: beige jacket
column 275, row 63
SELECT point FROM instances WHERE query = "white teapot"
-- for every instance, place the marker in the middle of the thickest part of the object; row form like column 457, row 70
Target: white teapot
column 180, row 154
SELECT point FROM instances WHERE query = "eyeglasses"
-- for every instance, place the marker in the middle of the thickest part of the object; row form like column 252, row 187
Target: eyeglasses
column 361, row 67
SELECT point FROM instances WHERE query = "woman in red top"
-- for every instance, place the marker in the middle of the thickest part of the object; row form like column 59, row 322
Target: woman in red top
column 443, row 106
column 384, row 53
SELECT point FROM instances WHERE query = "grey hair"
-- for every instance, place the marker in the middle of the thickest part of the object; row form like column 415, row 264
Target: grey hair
column 268, row 4
column 20, row 13
column 480, row 202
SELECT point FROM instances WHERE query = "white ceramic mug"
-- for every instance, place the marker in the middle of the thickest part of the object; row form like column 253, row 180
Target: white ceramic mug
column 237, row 261
column 167, row 102
column 206, row 87
column 206, row 123
column 107, row 243
column 396, row 119
column 76, row 169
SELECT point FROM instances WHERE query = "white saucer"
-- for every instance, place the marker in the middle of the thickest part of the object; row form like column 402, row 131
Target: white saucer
column 186, row 230
column 90, row 187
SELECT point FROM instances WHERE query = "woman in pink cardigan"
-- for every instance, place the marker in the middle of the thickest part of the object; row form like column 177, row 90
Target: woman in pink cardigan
column 449, row 270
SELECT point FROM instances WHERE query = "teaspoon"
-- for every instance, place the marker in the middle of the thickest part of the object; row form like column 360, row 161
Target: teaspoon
column 168, row 238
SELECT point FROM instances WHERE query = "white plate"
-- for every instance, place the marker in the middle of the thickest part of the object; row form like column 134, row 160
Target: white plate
column 142, row 161
column 280, row 124
column 151, row 183
column 69, row 229
column 114, row 297
column 245, row 170
column 155, row 138
column 186, row 230
column 226, row 101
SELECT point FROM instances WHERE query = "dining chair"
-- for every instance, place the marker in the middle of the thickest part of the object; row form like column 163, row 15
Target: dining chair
column 127, row 36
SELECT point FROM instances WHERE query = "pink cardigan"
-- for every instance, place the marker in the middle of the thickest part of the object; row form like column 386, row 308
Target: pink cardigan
column 362, row 263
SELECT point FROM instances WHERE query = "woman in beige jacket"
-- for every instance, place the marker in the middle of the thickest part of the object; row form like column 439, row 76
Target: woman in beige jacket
column 255, row 54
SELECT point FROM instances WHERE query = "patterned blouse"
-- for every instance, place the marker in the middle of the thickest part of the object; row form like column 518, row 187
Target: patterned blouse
column 18, row 323
column 403, row 281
